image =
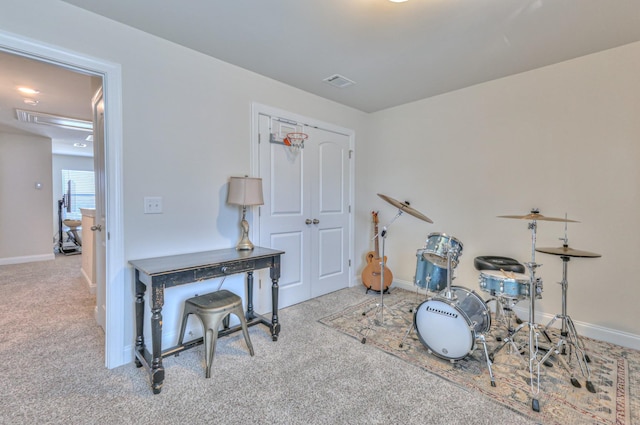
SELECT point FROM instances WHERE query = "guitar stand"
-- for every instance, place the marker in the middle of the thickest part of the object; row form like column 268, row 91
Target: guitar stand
column 386, row 290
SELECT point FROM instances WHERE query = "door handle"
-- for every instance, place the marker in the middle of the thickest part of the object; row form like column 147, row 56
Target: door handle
column 316, row 221
column 97, row 227
column 307, row 221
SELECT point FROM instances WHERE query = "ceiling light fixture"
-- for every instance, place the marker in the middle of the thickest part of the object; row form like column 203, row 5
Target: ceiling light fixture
column 54, row 120
column 31, row 102
column 80, row 145
column 28, row 90
column 397, row 1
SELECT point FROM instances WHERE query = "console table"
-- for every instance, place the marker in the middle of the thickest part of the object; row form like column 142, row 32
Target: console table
column 164, row 272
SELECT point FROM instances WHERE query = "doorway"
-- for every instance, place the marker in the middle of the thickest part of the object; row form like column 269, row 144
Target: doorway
column 115, row 352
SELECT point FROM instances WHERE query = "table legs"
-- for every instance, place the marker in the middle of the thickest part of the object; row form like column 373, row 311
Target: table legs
column 156, row 369
column 275, row 276
column 140, row 289
column 274, row 325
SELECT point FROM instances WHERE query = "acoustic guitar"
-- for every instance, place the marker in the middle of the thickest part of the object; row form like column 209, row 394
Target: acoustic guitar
column 372, row 273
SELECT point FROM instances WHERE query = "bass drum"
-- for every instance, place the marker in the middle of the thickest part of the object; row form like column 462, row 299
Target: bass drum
column 448, row 327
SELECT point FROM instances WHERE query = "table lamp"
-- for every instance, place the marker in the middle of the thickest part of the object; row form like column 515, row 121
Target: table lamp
column 245, row 191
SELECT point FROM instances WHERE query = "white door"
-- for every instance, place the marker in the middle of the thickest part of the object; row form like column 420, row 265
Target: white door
column 306, row 210
column 99, row 243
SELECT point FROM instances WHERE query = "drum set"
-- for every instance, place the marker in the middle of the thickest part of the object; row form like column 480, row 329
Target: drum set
column 452, row 320
column 451, row 323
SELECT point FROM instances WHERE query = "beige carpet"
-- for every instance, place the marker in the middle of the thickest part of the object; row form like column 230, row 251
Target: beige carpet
column 615, row 370
column 52, row 368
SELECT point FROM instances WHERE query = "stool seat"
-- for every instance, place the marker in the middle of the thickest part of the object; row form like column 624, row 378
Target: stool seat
column 212, row 309
column 492, row 262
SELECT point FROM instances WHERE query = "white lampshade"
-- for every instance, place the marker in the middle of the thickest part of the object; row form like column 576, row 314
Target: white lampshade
column 245, row 191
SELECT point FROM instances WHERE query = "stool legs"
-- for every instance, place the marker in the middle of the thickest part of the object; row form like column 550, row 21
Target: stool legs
column 183, row 327
column 211, row 322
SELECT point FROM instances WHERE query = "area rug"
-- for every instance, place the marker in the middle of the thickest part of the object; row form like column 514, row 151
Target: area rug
column 615, row 401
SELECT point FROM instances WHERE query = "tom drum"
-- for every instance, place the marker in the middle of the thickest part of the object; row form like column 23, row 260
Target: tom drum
column 428, row 275
column 437, row 247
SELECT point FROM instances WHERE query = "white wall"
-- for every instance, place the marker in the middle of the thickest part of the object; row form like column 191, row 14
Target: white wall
column 25, row 211
column 186, row 129
column 564, row 139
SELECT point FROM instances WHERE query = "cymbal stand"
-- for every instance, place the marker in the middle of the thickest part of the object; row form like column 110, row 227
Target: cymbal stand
column 568, row 330
column 535, row 291
column 380, row 307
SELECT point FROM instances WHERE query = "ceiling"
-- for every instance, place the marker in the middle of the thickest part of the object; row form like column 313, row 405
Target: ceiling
column 394, row 52
column 62, row 92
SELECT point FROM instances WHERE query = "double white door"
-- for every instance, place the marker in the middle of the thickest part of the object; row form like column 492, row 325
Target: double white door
column 306, row 210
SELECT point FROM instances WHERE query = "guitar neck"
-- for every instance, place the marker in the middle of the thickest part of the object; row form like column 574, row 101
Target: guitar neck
column 375, row 236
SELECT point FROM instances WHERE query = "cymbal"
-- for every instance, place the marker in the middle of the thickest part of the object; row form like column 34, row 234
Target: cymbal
column 404, row 206
column 565, row 251
column 537, row 216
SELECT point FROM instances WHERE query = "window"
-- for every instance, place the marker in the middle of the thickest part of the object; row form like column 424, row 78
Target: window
column 83, row 191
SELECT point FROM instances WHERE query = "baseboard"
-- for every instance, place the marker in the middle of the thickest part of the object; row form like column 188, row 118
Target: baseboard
column 589, row 330
column 27, row 259
column 90, row 285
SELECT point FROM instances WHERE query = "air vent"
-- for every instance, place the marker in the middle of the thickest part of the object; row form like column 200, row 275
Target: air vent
column 54, row 120
column 339, row 81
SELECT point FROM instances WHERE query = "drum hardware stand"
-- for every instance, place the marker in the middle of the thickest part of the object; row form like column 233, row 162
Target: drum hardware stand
column 426, row 294
column 569, row 330
column 535, row 291
column 504, row 313
column 480, row 338
column 402, row 207
column 380, row 307
column 568, row 334
column 450, row 251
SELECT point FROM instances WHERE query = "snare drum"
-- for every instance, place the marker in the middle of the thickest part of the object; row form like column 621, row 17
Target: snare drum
column 501, row 284
column 448, row 327
column 429, row 276
column 438, row 246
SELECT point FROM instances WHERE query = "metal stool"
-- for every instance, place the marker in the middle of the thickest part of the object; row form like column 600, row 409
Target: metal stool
column 213, row 309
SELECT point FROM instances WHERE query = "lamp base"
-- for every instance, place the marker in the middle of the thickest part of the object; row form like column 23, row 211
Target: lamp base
column 244, row 244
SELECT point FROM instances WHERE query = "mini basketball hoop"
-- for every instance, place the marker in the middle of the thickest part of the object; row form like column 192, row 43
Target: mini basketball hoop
column 295, row 141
